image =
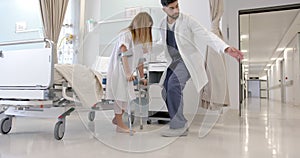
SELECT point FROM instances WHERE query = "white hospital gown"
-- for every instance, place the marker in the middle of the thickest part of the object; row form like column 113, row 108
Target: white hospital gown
column 118, row 87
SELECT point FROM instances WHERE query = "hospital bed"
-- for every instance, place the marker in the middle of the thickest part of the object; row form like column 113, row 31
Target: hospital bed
column 157, row 108
column 32, row 86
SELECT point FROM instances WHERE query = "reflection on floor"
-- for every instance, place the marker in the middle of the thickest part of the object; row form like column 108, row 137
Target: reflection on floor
column 266, row 129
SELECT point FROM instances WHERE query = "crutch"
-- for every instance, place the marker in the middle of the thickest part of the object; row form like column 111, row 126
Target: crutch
column 139, row 87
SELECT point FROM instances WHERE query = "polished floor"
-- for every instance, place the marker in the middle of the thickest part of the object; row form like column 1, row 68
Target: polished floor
column 267, row 129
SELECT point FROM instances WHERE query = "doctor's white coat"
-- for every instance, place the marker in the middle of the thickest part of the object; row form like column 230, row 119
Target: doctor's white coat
column 192, row 39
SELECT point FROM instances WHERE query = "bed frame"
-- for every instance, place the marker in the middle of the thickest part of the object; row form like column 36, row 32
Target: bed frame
column 25, row 86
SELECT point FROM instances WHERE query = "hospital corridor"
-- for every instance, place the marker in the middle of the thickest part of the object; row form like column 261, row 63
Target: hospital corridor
column 265, row 129
column 149, row 78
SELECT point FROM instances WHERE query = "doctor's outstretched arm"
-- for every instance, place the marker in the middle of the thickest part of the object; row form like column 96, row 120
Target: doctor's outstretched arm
column 202, row 35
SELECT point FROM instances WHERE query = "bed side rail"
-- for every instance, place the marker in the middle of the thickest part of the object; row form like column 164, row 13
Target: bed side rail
column 30, row 41
column 28, row 63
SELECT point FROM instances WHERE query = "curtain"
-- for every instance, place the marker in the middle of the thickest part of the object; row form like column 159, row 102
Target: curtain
column 53, row 13
column 216, row 91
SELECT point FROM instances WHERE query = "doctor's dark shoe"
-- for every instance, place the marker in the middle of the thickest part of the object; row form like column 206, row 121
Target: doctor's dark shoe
column 179, row 132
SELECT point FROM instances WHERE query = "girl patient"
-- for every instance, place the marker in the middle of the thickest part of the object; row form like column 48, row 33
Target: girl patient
column 131, row 44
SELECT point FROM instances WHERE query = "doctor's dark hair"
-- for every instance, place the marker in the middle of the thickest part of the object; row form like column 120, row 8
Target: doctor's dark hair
column 166, row 2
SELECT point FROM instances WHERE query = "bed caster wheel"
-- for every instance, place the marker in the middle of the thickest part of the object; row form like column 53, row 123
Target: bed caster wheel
column 6, row 125
column 132, row 119
column 59, row 130
column 149, row 122
column 92, row 115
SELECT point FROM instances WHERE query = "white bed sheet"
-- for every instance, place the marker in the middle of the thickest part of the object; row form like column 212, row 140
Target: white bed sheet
column 85, row 82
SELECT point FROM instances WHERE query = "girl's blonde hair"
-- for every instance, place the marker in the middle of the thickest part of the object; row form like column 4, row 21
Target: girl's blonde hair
column 141, row 28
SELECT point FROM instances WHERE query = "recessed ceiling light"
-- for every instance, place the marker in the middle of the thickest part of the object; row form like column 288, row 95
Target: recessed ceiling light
column 244, row 36
column 279, row 59
column 269, row 64
column 273, row 59
column 279, row 49
column 289, row 49
column 244, row 50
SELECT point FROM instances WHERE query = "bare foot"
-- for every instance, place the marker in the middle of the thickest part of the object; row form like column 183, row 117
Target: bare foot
column 123, row 130
column 114, row 121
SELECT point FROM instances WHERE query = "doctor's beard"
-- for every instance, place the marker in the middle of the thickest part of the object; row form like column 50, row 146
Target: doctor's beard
column 174, row 16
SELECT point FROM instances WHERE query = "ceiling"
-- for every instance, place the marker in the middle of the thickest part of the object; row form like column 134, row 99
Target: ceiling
column 263, row 35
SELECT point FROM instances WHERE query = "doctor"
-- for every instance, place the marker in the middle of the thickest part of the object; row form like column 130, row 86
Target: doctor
column 185, row 41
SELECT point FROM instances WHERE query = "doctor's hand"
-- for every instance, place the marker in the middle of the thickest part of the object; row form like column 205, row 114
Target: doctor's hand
column 237, row 54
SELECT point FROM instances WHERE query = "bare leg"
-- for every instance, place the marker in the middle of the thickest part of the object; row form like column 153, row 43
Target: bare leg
column 118, row 119
column 114, row 121
column 121, row 127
